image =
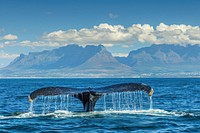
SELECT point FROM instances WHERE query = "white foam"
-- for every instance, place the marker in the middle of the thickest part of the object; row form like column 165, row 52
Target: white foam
column 64, row 113
column 153, row 112
column 23, row 115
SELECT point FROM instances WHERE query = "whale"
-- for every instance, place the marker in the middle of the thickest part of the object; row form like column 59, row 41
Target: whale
column 89, row 96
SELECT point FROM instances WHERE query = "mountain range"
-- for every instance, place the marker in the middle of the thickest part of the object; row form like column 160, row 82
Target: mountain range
column 95, row 61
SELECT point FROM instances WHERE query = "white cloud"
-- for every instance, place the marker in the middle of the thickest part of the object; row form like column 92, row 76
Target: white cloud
column 9, row 37
column 177, row 34
column 10, row 42
column 7, row 43
column 7, row 55
column 113, row 16
column 125, row 46
column 107, row 44
column 118, row 34
column 26, row 42
column 40, row 43
column 102, row 34
column 111, row 35
column 120, row 54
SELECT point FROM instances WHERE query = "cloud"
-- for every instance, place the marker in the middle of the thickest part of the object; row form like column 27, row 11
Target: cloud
column 113, row 16
column 120, row 35
column 6, row 58
column 9, row 37
column 4, row 55
column 107, row 44
column 112, row 35
column 102, row 34
column 40, row 43
column 120, row 54
column 10, row 42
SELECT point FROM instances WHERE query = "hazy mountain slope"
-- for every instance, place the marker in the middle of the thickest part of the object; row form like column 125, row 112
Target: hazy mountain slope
column 163, row 55
column 68, row 56
column 164, row 58
column 102, row 60
column 96, row 61
column 104, row 64
column 67, row 61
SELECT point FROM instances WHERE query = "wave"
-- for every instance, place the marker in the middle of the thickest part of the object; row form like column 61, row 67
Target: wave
column 65, row 114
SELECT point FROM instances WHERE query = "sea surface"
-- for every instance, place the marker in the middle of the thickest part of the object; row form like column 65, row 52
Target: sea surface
column 175, row 107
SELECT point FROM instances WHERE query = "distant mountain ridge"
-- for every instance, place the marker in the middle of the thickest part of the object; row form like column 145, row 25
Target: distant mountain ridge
column 91, row 61
column 67, row 56
column 163, row 55
column 164, row 59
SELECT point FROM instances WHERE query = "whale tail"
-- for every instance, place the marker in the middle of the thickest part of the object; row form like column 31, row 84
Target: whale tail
column 90, row 97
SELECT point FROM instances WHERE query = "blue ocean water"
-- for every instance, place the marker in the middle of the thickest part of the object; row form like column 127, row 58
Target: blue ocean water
column 176, row 108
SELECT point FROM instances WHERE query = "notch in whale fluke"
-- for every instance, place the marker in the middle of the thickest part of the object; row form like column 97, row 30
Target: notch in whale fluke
column 89, row 98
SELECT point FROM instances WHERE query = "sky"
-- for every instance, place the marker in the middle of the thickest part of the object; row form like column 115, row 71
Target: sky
column 120, row 25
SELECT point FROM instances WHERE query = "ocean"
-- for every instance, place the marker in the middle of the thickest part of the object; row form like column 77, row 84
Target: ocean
column 174, row 107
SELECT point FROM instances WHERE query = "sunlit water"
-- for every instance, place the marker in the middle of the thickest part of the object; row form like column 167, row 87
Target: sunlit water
column 174, row 107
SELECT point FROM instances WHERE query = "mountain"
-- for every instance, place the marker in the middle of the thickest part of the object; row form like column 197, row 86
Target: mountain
column 103, row 63
column 68, row 56
column 164, row 58
column 95, row 61
column 66, row 61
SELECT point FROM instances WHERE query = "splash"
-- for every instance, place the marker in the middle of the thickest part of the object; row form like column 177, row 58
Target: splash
column 31, row 107
column 118, row 101
column 67, row 114
column 151, row 102
column 123, row 101
column 48, row 104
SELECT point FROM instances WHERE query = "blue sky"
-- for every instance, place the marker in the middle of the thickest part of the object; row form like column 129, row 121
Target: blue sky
column 120, row 25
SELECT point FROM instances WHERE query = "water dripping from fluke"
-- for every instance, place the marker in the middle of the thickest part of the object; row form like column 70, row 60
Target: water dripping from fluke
column 31, row 107
column 124, row 101
column 151, row 102
column 127, row 96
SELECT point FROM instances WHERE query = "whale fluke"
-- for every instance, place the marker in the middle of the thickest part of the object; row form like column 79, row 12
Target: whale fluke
column 89, row 96
column 51, row 91
column 126, row 87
